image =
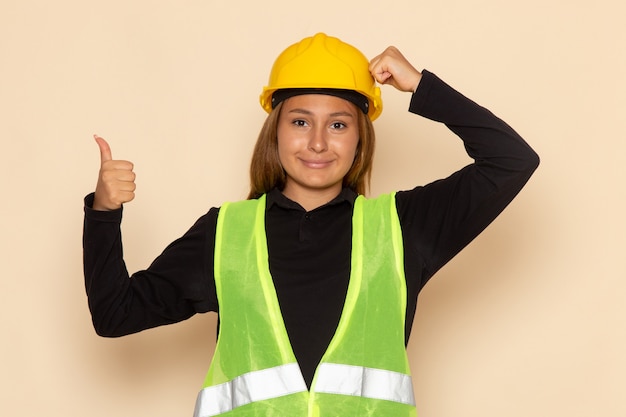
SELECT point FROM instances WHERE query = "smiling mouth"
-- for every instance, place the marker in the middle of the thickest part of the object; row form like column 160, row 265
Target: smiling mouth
column 315, row 164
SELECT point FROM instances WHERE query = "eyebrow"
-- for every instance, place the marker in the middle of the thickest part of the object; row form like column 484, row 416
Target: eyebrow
column 307, row 112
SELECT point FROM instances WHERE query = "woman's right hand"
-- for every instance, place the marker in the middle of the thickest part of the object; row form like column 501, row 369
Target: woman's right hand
column 116, row 180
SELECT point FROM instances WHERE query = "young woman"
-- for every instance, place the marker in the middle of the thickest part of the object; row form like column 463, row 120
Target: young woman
column 315, row 285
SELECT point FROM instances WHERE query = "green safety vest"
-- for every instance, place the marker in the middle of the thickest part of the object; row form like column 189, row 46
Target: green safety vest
column 365, row 369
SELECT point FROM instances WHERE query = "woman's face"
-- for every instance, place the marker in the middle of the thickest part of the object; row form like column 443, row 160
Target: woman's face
column 318, row 137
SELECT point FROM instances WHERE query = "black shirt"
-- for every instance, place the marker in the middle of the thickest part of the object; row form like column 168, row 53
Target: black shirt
column 309, row 252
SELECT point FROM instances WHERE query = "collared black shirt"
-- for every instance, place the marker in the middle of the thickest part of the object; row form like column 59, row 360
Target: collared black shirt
column 309, row 252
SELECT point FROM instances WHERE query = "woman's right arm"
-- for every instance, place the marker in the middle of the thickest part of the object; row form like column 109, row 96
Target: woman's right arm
column 178, row 284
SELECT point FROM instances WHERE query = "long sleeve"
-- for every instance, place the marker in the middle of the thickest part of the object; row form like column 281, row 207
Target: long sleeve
column 173, row 288
column 441, row 218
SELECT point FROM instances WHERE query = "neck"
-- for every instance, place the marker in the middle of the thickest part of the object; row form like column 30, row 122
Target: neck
column 312, row 199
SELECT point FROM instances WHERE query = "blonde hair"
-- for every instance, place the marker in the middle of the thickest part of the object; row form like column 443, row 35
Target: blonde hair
column 266, row 171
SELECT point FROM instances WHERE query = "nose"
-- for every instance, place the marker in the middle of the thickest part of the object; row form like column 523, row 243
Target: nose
column 317, row 141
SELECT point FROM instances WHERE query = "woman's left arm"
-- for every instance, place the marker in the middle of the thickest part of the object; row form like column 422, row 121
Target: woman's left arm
column 441, row 218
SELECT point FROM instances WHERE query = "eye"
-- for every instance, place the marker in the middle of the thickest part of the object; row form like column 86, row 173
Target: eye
column 299, row 123
column 338, row 125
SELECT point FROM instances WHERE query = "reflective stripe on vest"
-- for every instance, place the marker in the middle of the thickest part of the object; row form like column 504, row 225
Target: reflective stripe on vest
column 360, row 381
column 364, row 370
column 245, row 389
column 332, row 378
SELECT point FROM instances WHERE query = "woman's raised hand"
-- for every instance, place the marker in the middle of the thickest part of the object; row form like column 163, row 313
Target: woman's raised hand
column 391, row 67
column 116, row 180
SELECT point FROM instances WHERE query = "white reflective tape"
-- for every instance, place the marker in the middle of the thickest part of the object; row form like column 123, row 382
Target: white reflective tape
column 364, row 382
column 245, row 389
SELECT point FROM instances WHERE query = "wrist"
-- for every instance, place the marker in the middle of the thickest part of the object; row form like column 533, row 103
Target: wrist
column 416, row 83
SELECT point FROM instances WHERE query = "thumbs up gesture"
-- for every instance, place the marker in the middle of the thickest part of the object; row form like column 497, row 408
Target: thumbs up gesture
column 116, row 180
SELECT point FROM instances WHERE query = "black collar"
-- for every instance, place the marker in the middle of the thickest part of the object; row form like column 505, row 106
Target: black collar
column 277, row 198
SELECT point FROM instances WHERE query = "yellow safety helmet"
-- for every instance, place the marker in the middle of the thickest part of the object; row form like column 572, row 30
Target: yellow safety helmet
column 323, row 62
